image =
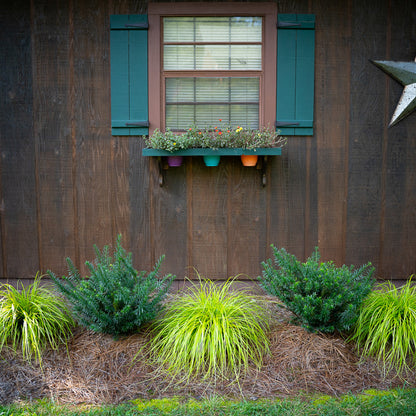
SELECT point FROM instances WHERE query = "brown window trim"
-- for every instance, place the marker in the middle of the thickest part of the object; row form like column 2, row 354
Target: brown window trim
column 268, row 86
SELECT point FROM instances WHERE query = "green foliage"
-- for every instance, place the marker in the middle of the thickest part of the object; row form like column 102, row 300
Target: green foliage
column 32, row 318
column 394, row 402
column 386, row 327
column 322, row 296
column 215, row 137
column 115, row 299
column 212, row 331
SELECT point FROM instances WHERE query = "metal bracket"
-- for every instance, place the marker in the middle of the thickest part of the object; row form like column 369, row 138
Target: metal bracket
column 283, row 124
column 161, row 169
column 141, row 25
column 144, row 123
column 262, row 168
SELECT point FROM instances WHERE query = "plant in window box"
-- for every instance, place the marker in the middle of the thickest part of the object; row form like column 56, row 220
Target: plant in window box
column 167, row 141
column 216, row 138
column 263, row 137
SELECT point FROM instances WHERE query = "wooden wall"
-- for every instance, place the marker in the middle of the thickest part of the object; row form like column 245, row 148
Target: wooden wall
column 66, row 183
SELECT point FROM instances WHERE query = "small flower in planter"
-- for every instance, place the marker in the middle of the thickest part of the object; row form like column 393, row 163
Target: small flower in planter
column 215, row 138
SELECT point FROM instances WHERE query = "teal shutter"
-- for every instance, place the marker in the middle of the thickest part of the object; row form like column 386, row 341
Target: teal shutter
column 295, row 74
column 129, row 91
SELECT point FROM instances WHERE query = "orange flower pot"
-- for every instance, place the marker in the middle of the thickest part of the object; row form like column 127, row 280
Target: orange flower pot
column 249, row 160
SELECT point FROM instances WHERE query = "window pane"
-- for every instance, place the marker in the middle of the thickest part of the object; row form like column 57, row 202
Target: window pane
column 203, row 101
column 212, row 57
column 180, row 90
column 246, row 29
column 244, row 89
column 179, row 57
column 180, row 117
column 178, row 29
column 212, row 29
column 245, row 57
column 209, row 56
column 204, row 89
column 212, row 89
column 244, row 115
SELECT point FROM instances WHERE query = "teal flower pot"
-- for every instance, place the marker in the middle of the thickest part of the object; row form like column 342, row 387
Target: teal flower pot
column 211, row 160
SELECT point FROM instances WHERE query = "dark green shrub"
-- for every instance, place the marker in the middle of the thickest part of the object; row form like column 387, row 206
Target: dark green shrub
column 115, row 299
column 322, row 296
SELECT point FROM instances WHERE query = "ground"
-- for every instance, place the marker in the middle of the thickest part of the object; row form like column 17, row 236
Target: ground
column 97, row 369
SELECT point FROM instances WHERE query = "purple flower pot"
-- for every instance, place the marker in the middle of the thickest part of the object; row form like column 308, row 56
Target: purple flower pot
column 175, row 161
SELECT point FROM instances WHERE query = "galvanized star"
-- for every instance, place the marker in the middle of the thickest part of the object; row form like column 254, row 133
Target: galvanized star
column 405, row 73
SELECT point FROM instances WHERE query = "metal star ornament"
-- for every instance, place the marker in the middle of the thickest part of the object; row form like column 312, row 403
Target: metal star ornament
column 405, row 73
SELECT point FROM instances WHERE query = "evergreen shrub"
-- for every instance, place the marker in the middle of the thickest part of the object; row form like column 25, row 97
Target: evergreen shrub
column 323, row 297
column 115, row 299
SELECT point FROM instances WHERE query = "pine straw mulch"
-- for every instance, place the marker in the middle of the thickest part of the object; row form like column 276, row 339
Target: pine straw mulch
column 97, row 370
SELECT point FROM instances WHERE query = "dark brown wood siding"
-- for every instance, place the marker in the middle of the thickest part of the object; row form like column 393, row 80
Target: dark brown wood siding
column 66, row 183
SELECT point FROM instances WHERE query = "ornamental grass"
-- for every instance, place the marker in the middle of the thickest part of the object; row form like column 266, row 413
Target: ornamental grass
column 386, row 327
column 210, row 331
column 32, row 319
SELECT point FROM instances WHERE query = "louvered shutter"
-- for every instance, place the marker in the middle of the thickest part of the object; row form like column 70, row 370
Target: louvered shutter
column 129, row 78
column 295, row 74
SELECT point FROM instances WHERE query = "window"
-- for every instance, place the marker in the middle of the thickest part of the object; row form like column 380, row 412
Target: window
column 230, row 48
column 196, row 63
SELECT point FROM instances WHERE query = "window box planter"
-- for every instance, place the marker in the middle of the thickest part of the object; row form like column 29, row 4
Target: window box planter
column 226, row 151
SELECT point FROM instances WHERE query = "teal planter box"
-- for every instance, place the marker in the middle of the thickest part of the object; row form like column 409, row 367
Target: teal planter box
column 264, row 151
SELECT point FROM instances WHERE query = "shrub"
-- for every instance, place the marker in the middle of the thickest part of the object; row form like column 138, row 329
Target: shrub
column 115, row 299
column 210, row 331
column 32, row 318
column 322, row 297
column 386, row 326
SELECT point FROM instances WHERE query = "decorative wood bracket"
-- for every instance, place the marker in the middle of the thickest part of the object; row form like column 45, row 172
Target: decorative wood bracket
column 262, row 168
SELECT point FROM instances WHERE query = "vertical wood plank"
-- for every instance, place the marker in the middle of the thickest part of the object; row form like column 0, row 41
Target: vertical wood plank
column 130, row 210
column 169, row 219
column 366, row 133
column 247, row 219
column 288, row 186
column 17, row 144
column 398, row 244
column 278, row 201
column 290, row 182
column 140, row 206
column 95, row 169
column 52, row 114
column 333, row 86
column 209, row 218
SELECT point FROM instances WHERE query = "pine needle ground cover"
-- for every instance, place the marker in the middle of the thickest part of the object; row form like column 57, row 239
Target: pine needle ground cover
column 97, row 370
